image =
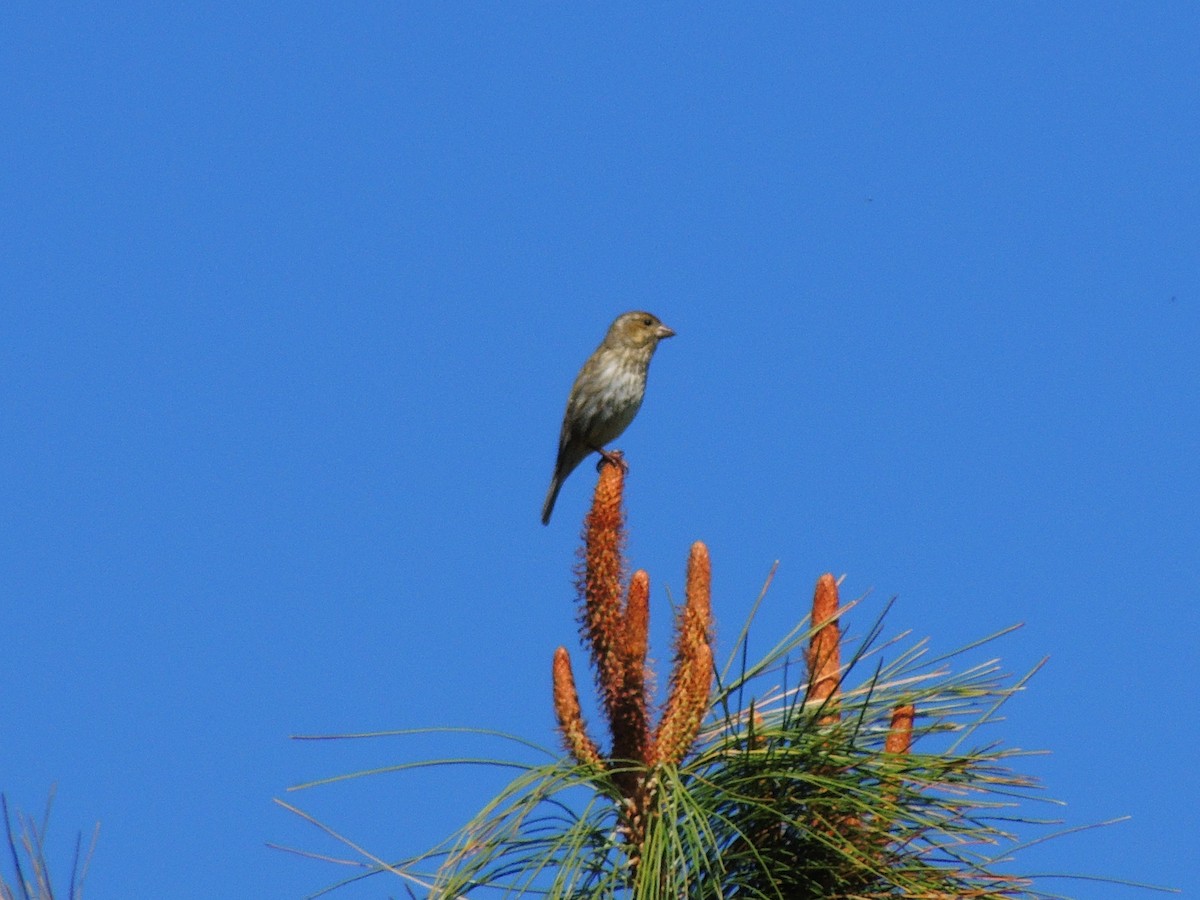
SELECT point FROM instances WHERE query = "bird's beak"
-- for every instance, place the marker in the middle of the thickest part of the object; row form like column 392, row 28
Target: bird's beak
column 662, row 331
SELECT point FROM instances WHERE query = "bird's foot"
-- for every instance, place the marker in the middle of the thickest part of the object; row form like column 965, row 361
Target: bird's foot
column 612, row 458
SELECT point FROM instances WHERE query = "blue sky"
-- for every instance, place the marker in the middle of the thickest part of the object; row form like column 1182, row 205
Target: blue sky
column 294, row 296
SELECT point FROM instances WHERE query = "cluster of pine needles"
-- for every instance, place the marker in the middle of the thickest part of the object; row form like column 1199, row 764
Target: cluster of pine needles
column 823, row 770
column 26, row 839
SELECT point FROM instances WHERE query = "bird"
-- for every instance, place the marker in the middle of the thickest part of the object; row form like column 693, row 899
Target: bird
column 606, row 395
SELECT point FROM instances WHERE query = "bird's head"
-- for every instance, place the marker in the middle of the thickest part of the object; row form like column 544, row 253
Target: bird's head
column 637, row 329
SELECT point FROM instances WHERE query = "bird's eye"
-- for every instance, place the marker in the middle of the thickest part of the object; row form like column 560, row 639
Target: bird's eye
column 647, row 321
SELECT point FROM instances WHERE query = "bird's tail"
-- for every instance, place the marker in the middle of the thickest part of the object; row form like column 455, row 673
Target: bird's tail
column 551, row 496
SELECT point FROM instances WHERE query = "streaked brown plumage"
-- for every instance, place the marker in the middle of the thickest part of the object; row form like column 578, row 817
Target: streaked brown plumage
column 606, row 395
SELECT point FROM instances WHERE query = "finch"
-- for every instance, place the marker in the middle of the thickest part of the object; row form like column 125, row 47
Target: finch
column 606, row 395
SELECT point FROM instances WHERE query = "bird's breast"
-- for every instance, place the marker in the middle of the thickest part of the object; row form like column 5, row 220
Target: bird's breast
column 609, row 397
